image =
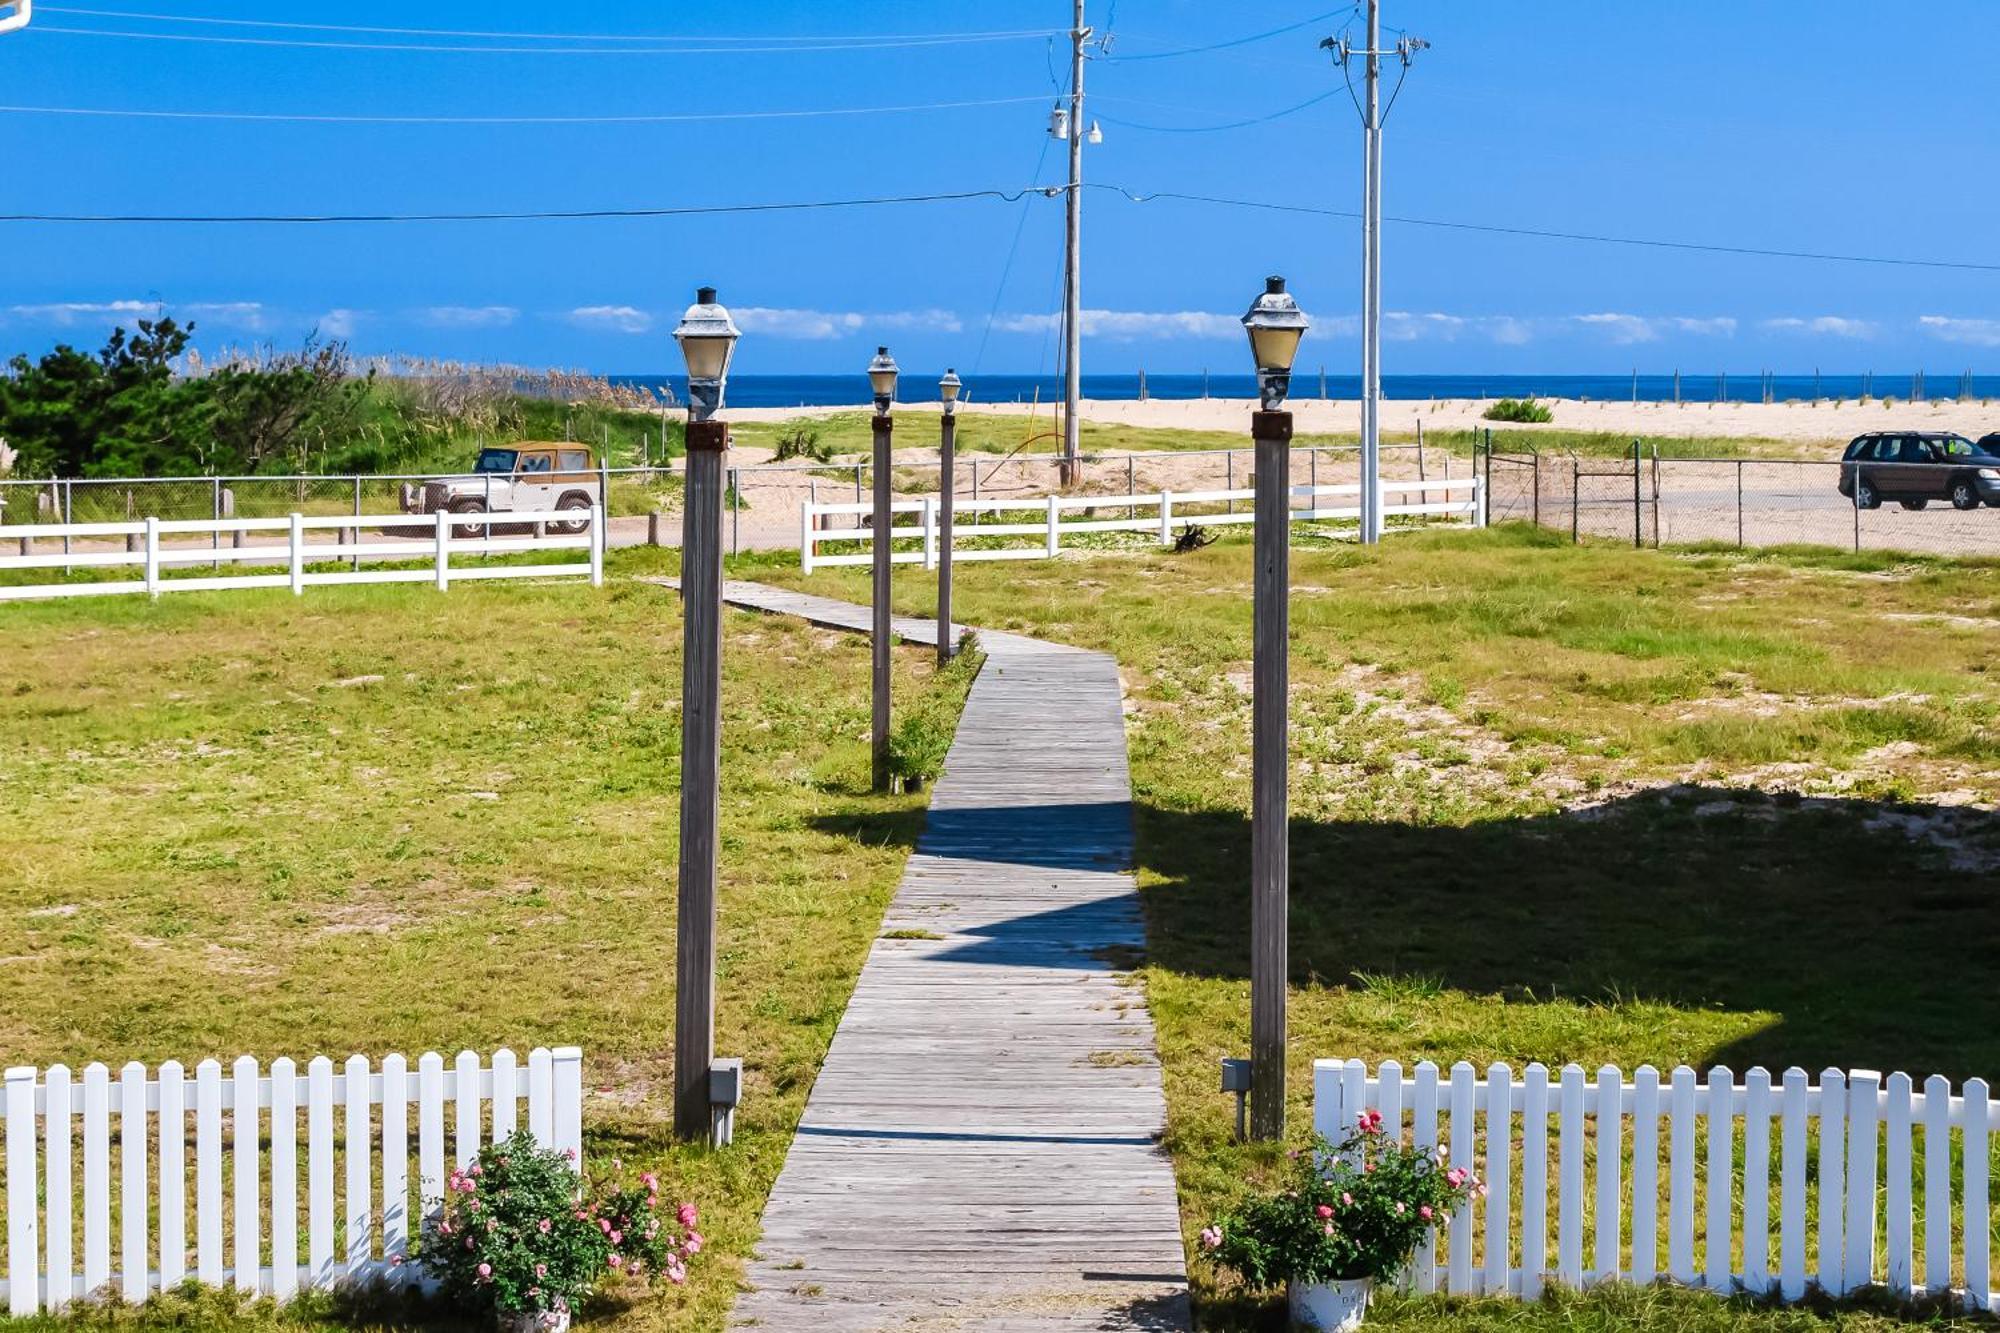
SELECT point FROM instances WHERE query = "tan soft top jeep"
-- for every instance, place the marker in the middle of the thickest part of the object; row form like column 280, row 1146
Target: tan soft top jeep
column 516, row 479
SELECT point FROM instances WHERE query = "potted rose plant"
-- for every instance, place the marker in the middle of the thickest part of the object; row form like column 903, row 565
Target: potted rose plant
column 520, row 1235
column 1350, row 1216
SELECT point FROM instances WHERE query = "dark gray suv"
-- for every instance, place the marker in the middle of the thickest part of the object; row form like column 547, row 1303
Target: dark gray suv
column 1915, row 468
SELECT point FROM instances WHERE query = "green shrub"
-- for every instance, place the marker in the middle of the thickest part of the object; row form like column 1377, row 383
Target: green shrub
column 919, row 743
column 1525, row 410
column 801, row 439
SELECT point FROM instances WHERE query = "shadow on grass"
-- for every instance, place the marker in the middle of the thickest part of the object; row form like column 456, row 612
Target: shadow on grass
column 1865, row 941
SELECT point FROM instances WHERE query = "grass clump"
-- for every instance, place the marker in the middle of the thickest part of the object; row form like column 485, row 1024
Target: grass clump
column 1523, row 410
column 922, row 738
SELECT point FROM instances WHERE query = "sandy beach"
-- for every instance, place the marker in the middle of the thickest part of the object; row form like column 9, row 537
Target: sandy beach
column 1827, row 421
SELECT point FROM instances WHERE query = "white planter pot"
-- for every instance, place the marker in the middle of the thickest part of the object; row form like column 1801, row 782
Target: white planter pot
column 1338, row 1306
column 531, row 1321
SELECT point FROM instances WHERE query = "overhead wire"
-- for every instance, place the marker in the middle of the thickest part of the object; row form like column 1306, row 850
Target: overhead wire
column 1224, row 46
column 147, row 113
column 845, row 44
column 152, row 17
column 1212, row 129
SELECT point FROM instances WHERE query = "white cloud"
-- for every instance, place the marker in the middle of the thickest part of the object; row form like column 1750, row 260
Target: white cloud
column 340, row 322
column 250, row 316
column 1978, row 332
column 467, row 316
column 1832, row 326
column 68, row 314
column 819, row 325
column 1131, row 325
column 610, row 318
column 1624, row 329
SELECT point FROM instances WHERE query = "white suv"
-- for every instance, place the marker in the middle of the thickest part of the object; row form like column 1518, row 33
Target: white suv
column 529, row 479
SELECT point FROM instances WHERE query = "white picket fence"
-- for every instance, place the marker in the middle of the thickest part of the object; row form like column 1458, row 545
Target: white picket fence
column 439, row 540
column 361, row 1239
column 1052, row 526
column 1835, row 1203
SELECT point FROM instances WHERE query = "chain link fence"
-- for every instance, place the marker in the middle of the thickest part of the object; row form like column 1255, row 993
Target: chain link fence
column 1930, row 509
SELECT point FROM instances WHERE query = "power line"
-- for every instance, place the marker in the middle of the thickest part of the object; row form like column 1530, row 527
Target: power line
column 1209, row 129
column 517, row 36
column 847, row 44
column 1758, row 252
column 277, row 117
column 560, row 215
column 1233, row 42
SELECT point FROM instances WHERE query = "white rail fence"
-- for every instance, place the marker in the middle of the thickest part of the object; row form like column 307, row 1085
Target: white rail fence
column 1053, row 524
column 247, row 1124
column 442, row 541
column 1772, row 1187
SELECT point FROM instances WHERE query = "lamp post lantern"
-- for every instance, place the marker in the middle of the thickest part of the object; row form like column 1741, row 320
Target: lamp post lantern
column 707, row 338
column 948, row 391
column 1275, row 324
column 15, row 15
column 882, row 371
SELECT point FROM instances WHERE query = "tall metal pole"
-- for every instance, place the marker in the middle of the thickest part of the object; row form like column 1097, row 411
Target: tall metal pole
column 1073, row 258
column 1270, row 854
column 1371, row 288
column 947, row 465
column 884, row 427
column 701, row 775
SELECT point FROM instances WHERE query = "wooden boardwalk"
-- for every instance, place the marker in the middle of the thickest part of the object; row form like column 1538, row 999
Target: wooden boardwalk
column 979, row 1149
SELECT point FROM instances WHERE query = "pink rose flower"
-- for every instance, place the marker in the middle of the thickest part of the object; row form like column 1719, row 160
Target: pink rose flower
column 543, row 1226
column 1211, row 1238
column 1347, row 1199
column 686, row 1215
column 617, row 1261
column 541, row 1270
column 617, row 1237
column 486, row 1270
column 1324, row 1211
column 1425, row 1212
column 694, row 1243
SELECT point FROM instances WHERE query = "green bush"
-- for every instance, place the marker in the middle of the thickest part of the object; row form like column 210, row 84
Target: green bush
column 919, row 743
column 801, row 439
column 1525, row 410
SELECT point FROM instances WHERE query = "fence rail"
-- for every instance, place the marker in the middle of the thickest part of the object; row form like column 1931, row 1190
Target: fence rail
column 53, row 1120
column 1859, row 1170
column 1052, row 527
column 436, row 539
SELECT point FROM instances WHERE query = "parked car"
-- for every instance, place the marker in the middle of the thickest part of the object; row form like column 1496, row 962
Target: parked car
column 1915, row 469
column 527, row 479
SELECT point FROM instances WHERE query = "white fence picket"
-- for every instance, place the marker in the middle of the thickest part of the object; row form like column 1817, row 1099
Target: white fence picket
column 1757, row 1180
column 133, row 1200
column 284, row 1177
column 1534, row 1180
column 1825, row 1221
column 1499, row 1158
column 1937, row 1183
column 1645, row 1174
column 1897, row 1203
column 1721, row 1176
column 96, row 1178
column 1792, row 1189
column 465, row 1125
column 1610, row 1157
column 1680, row 1177
column 1978, row 1221
column 60, row 1270
column 1459, row 1272
column 45, row 1113
column 1864, row 1088
column 1569, row 1189
column 1424, row 1134
column 248, row 1216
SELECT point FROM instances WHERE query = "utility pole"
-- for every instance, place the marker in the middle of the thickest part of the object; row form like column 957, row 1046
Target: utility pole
column 1070, row 126
column 1371, row 253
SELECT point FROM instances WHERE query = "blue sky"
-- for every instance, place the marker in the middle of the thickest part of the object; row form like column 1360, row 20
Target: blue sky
column 1784, row 125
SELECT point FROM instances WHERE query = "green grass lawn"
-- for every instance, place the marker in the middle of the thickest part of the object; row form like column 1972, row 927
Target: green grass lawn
column 1552, row 803
column 382, row 819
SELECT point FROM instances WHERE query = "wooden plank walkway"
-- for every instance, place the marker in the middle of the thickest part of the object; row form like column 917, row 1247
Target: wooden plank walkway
column 979, row 1151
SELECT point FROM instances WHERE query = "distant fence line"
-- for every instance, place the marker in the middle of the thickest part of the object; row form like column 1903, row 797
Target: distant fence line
column 1648, row 500
column 1774, row 1186
column 151, row 545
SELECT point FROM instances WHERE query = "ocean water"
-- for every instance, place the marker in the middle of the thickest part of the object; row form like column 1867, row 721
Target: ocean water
column 852, row 390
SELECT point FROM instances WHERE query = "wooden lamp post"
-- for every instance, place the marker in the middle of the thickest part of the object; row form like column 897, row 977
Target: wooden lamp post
column 1275, row 324
column 948, row 391
column 882, row 372
column 707, row 338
